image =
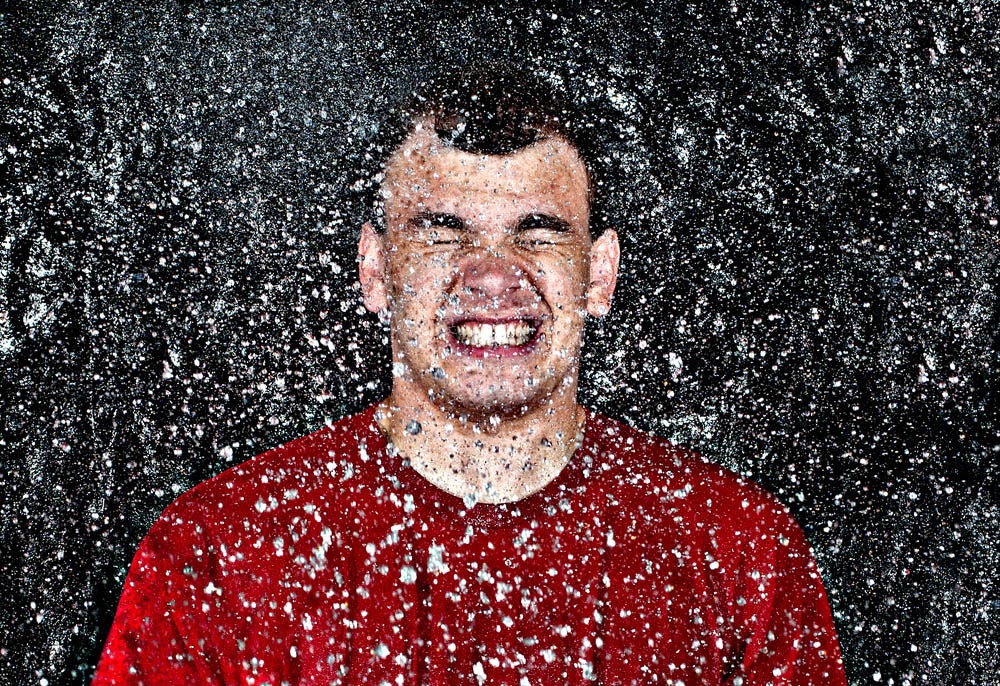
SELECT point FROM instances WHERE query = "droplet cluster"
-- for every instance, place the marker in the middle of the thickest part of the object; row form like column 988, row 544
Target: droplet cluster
column 807, row 199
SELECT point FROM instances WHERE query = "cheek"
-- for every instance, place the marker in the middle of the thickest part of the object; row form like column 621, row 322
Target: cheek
column 565, row 279
column 418, row 281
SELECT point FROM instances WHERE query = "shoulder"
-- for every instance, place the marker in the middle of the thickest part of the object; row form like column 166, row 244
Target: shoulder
column 680, row 481
column 676, row 500
column 287, row 477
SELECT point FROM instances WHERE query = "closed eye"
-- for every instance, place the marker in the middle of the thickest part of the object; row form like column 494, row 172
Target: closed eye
column 438, row 228
column 538, row 230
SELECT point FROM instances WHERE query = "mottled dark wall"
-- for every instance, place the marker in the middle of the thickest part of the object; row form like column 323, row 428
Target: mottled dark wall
column 809, row 289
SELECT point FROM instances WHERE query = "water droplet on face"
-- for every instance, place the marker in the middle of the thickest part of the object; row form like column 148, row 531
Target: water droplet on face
column 413, row 427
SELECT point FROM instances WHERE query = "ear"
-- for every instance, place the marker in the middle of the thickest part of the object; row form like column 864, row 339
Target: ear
column 604, row 255
column 371, row 269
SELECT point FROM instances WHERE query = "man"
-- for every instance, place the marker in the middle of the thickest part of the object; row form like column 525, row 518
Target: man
column 478, row 525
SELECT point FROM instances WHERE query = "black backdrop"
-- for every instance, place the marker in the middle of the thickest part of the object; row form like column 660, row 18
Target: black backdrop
column 809, row 289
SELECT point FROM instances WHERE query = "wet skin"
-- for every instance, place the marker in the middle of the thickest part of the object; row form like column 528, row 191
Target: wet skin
column 473, row 242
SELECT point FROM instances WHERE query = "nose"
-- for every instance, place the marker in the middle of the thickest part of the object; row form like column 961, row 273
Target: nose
column 491, row 275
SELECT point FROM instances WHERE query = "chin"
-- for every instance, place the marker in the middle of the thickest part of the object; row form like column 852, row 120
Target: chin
column 519, row 386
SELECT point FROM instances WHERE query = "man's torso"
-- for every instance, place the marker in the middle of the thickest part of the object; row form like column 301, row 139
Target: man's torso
column 329, row 560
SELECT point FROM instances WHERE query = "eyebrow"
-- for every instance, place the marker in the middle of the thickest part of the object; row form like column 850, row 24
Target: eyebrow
column 543, row 221
column 451, row 221
column 443, row 219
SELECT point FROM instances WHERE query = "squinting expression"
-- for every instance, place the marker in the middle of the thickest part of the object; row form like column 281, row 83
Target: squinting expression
column 487, row 266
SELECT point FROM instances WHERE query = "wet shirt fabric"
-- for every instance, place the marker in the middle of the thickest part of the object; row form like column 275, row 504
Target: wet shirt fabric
column 330, row 561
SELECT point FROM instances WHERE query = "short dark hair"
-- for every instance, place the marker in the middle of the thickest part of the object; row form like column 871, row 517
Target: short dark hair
column 491, row 109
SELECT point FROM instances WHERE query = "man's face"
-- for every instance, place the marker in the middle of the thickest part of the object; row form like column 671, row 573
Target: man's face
column 485, row 268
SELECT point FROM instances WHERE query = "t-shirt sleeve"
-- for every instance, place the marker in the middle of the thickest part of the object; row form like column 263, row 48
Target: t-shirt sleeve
column 788, row 636
column 162, row 632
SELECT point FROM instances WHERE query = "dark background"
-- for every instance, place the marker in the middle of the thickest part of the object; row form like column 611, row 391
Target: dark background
column 809, row 287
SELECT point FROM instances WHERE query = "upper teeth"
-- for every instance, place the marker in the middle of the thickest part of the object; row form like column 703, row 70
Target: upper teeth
column 482, row 335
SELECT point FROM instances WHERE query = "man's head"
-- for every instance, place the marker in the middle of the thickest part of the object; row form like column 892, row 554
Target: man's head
column 486, row 264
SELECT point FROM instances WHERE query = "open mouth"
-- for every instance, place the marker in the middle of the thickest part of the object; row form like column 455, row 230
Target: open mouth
column 516, row 333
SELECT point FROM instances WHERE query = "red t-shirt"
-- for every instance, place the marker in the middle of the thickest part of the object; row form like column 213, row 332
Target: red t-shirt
column 329, row 560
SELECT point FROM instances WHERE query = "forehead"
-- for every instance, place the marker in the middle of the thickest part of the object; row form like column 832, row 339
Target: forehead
column 425, row 173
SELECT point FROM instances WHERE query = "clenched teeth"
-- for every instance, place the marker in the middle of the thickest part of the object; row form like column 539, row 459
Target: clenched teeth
column 483, row 335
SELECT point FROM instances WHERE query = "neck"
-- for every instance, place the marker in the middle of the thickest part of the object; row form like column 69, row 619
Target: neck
column 484, row 458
